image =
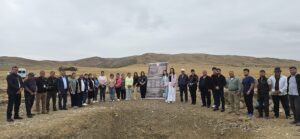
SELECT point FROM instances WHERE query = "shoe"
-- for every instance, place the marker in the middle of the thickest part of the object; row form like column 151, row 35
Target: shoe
column 293, row 122
column 18, row 118
column 216, row 109
column 65, row 109
column 10, row 120
column 54, row 109
column 298, row 124
column 223, row 110
column 84, row 104
column 203, row 105
column 29, row 116
column 287, row 117
column 250, row 116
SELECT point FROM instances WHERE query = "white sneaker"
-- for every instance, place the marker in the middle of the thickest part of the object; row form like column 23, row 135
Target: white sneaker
column 118, row 99
column 84, row 104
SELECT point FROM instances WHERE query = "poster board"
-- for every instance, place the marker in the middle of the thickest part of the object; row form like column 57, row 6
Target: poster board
column 154, row 84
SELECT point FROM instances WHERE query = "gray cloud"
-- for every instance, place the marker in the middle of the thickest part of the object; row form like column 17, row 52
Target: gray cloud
column 72, row 29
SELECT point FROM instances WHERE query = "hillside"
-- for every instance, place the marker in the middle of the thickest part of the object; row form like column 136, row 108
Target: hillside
column 198, row 59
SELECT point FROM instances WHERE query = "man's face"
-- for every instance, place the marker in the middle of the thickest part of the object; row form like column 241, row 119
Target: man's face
column 14, row 70
column 262, row 74
column 293, row 71
column 42, row 73
column 63, row 73
column 246, row 73
column 231, row 74
column 102, row 73
column 219, row 72
column 214, row 71
column 182, row 72
column 277, row 73
column 193, row 72
column 129, row 75
column 204, row 73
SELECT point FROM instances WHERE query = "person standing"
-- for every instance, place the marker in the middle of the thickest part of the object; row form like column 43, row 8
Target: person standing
column 51, row 91
column 111, row 87
column 143, row 84
column 103, row 82
column 63, row 89
column 118, row 86
column 129, row 85
column 263, row 89
column 123, row 88
column 248, row 91
column 91, row 88
column 293, row 91
column 74, row 90
column 205, row 87
column 192, row 83
column 30, row 91
column 97, row 84
column 83, row 90
column 172, row 86
column 14, row 89
column 234, row 88
column 219, row 81
column 41, row 95
column 165, row 83
column 278, row 85
column 183, row 80
column 136, row 85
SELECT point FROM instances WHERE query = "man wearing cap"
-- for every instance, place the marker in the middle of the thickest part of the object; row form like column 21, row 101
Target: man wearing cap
column 278, row 85
column 183, row 80
column 219, row 82
column 193, row 81
column 263, row 89
column 294, row 95
column 30, row 91
column 14, row 89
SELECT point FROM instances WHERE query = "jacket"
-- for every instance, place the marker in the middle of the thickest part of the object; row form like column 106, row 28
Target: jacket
column 193, row 81
column 297, row 80
column 183, row 80
column 42, row 85
column 52, row 84
column 14, row 83
column 61, row 87
column 205, row 83
column 263, row 86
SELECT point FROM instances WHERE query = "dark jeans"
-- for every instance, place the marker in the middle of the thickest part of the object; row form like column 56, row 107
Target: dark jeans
column 84, row 96
column 102, row 93
column 143, row 90
column 80, row 99
column 51, row 95
column 183, row 90
column 284, row 102
column 29, row 100
column 95, row 94
column 118, row 92
column 295, row 106
column 263, row 100
column 123, row 94
column 249, row 102
column 206, row 97
column 14, row 102
column 75, row 99
column 62, row 102
column 193, row 91
column 219, row 96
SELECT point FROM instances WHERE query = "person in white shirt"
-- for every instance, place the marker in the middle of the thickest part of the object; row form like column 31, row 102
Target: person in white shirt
column 278, row 85
column 294, row 95
column 103, row 83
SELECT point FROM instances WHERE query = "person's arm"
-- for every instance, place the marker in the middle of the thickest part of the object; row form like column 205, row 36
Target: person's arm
column 284, row 87
column 251, row 87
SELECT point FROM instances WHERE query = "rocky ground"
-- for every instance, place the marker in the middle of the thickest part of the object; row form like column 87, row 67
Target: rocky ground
column 144, row 119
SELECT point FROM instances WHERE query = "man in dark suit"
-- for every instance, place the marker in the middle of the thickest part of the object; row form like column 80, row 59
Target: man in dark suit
column 183, row 81
column 219, row 82
column 205, row 87
column 193, row 81
column 62, row 87
column 14, row 90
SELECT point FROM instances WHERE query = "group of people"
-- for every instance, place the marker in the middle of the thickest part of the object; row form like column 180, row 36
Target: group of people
column 282, row 89
column 83, row 90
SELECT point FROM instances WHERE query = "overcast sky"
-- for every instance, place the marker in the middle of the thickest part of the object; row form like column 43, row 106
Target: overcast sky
column 73, row 29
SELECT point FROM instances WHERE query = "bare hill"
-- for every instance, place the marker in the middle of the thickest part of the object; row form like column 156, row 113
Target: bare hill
column 197, row 59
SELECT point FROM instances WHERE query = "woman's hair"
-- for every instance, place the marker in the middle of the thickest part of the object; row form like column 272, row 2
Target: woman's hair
column 111, row 75
column 142, row 73
column 135, row 74
column 172, row 71
column 165, row 73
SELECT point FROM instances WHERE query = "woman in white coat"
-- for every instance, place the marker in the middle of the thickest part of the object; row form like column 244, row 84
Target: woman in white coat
column 172, row 86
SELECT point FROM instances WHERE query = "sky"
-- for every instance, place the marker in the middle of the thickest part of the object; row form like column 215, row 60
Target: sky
column 74, row 29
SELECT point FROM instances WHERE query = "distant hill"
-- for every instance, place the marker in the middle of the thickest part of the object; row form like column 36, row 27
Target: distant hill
column 199, row 59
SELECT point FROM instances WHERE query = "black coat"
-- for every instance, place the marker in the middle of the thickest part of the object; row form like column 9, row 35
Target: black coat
column 14, row 83
column 52, row 84
column 193, row 81
column 41, row 83
column 60, row 85
column 219, row 81
column 205, row 84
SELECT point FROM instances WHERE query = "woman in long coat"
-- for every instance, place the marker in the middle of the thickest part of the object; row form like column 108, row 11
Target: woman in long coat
column 172, row 86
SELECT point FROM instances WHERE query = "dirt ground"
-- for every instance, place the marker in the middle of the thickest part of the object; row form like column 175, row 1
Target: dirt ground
column 144, row 119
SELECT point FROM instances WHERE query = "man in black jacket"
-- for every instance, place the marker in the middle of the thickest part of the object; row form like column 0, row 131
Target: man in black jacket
column 205, row 87
column 219, row 81
column 294, row 94
column 263, row 89
column 183, row 80
column 193, row 81
column 52, row 91
column 14, row 89
column 41, row 95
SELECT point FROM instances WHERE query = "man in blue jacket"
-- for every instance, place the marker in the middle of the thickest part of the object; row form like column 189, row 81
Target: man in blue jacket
column 62, row 87
column 14, row 89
